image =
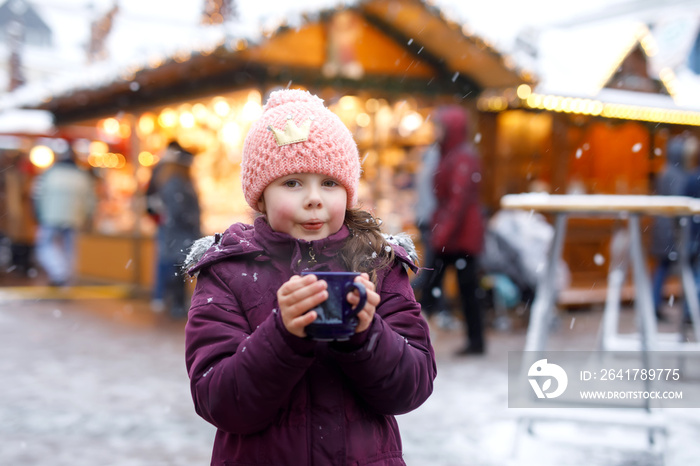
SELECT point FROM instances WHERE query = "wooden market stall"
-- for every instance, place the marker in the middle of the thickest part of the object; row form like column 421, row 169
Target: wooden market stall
column 611, row 141
column 382, row 66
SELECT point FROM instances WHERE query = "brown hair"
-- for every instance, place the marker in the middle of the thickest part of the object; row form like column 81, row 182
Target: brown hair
column 366, row 250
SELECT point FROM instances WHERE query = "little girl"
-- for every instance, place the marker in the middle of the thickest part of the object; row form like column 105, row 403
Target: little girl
column 276, row 396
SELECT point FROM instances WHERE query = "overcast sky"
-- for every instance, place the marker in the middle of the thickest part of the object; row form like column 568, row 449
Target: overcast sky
column 147, row 29
column 145, row 24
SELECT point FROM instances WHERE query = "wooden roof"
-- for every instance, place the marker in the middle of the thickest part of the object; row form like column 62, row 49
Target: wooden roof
column 401, row 45
column 458, row 50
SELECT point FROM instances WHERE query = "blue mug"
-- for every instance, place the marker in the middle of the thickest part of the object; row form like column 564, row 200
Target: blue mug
column 336, row 318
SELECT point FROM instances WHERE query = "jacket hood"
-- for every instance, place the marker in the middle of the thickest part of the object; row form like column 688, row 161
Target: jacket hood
column 211, row 249
column 241, row 240
column 454, row 121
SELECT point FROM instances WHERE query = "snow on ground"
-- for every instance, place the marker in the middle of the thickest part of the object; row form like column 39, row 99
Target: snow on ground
column 103, row 382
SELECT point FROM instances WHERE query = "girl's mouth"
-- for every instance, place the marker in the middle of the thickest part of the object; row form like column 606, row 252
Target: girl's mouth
column 312, row 225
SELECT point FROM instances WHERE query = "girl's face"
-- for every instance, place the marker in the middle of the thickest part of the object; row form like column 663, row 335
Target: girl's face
column 306, row 206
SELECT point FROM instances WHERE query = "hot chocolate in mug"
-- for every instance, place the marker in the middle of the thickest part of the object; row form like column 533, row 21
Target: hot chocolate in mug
column 336, row 319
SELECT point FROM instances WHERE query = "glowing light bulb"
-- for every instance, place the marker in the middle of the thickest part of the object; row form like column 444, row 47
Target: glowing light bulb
column 146, row 124
column 99, row 147
column 187, row 120
column 146, row 158
column 221, row 107
column 41, row 156
column 251, row 111
column 111, row 126
column 168, row 118
column 524, row 91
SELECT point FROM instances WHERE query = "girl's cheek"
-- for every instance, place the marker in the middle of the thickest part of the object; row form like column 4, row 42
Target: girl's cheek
column 279, row 218
column 338, row 219
column 284, row 211
column 339, row 210
column 279, row 213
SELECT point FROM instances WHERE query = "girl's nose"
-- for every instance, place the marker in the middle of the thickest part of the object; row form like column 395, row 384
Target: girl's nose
column 313, row 198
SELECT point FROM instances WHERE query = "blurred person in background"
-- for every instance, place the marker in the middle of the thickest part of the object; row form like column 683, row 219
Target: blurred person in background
column 154, row 209
column 64, row 200
column 457, row 223
column 665, row 234
column 172, row 201
column 18, row 222
column 424, row 209
column 691, row 151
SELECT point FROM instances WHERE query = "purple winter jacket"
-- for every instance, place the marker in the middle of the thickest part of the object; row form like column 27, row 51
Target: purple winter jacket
column 277, row 399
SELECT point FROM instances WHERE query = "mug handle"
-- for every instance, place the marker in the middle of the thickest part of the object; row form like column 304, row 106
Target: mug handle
column 363, row 295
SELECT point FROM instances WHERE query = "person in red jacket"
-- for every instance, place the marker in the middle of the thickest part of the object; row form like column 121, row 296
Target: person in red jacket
column 276, row 396
column 458, row 226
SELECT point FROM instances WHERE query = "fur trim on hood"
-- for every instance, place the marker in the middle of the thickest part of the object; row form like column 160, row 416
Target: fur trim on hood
column 202, row 245
column 197, row 251
column 404, row 241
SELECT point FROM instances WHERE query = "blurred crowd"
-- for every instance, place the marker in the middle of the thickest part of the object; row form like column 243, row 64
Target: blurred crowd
column 478, row 270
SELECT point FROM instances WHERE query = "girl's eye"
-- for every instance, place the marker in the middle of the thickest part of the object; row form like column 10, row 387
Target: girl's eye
column 330, row 183
column 291, row 183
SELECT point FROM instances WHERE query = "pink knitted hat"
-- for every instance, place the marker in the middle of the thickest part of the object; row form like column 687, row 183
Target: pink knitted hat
column 298, row 134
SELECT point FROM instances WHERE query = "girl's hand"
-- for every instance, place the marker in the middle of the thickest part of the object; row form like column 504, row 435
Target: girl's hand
column 366, row 315
column 296, row 297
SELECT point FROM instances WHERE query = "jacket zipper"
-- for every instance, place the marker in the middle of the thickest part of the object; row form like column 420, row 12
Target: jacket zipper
column 312, row 258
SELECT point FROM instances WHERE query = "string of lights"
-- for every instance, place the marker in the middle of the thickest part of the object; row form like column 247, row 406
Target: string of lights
column 525, row 98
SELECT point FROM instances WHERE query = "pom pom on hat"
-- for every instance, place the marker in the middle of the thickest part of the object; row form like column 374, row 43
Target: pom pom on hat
column 298, row 134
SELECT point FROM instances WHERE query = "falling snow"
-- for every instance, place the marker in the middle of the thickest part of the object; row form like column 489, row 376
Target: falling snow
column 458, row 422
column 75, row 403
